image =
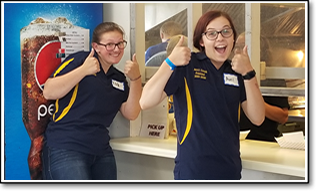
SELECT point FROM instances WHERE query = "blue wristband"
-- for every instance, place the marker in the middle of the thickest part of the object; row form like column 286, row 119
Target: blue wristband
column 172, row 66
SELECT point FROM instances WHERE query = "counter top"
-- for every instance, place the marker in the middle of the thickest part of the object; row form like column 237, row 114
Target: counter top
column 255, row 155
column 270, row 157
column 149, row 146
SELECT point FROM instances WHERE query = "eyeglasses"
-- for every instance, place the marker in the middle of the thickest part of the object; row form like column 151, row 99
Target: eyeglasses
column 213, row 34
column 112, row 46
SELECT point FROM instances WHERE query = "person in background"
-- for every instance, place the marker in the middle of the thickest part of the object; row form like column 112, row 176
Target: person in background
column 89, row 91
column 276, row 108
column 207, row 90
column 167, row 30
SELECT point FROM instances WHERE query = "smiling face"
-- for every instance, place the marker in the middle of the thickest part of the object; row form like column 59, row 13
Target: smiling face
column 113, row 56
column 219, row 49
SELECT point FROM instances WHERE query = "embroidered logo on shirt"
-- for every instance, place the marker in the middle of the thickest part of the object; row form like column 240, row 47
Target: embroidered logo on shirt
column 230, row 79
column 200, row 73
column 118, row 85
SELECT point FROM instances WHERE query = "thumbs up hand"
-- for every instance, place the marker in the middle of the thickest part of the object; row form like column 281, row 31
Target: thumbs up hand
column 180, row 54
column 91, row 64
column 241, row 61
column 131, row 69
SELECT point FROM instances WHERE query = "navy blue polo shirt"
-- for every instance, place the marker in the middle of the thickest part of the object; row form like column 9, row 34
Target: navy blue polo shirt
column 206, row 102
column 152, row 50
column 82, row 117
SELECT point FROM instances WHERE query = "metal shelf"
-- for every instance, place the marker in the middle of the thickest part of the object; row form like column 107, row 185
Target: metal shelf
column 282, row 91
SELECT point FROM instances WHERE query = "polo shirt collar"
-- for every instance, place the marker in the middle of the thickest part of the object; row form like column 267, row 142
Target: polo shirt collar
column 201, row 56
column 111, row 71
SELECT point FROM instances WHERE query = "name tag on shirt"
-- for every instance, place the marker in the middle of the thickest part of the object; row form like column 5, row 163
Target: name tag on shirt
column 118, row 85
column 230, row 79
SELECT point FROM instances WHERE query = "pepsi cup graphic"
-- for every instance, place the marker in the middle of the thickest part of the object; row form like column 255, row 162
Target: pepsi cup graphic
column 44, row 45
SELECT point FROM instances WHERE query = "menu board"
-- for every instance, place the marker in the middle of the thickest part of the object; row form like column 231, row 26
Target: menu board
column 74, row 40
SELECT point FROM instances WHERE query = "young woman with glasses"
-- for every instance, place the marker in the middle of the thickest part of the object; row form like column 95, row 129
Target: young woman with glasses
column 207, row 89
column 89, row 91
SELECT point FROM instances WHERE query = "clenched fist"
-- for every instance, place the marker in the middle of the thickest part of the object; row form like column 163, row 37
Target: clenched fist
column 241, row 62
column 131, row 69
column 180, row 55
column 91, row 64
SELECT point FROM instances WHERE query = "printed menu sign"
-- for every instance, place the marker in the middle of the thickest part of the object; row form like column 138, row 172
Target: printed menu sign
column 74, row 40
column 153, row 130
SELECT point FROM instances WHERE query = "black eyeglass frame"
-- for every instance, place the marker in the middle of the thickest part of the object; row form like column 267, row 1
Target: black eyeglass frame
column 219, row 32
column 124, row 42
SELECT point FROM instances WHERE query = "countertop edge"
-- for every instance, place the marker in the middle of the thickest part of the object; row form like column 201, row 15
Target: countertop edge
column 132, row 145
column 272, row 168
column 143, row 150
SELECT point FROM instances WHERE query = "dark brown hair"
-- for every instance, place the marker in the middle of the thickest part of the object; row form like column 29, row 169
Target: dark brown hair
column 203, row 22
column 106, row 27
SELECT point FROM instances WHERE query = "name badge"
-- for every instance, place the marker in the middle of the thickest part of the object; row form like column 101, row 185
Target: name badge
column 118, row 85
column 230, row 79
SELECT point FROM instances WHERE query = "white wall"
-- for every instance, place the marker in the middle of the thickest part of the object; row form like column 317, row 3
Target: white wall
column 120, row 14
